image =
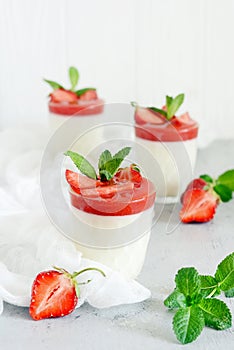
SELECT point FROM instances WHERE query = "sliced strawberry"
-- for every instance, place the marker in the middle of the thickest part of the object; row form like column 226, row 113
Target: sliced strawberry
column 61, row 95
column 80, row 182
column 89, row 95
column 128, row 174
column 194, row 184
column 53, row 295
column 146, row 115
column 198, row 206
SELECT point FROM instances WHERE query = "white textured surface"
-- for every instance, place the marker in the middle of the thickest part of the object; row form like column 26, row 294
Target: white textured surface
column 128, row 49
column 146, row 325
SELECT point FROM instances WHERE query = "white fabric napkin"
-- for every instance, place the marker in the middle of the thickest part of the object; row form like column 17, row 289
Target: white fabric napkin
column 29, row 243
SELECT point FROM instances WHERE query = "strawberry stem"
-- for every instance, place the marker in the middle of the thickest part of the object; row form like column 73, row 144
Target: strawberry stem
column 75, row 274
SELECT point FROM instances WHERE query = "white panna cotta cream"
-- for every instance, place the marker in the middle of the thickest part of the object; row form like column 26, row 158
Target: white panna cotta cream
column 120, row 239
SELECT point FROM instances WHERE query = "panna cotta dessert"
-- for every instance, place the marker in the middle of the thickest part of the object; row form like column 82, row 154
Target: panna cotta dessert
column 83, row 105
column 114, row 211
column 172, row 141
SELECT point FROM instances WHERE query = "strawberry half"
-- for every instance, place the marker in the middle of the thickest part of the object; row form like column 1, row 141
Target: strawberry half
column 129, row 174
column 61, row 95
column 89, row 95
column 79, row 182
column 146, row 115
column 198, row 206
column 55, row 293
column 194, row 184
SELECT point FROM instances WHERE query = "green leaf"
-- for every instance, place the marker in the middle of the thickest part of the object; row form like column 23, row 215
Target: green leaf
column 175, row 300
column 158, row 110
column 224, row 192
column 82, row 164
column 111, row 166
column 83, row 91
column 53, row 84
column 225, row 273
column 174, row 105
column 207, row 178
column 227, row 179
column 188, row 324
column 209, row 286
column 74, row 77
column 229, row 293
column 188, row 281
column 169, row 100
column 216, row 313
column 104, row 157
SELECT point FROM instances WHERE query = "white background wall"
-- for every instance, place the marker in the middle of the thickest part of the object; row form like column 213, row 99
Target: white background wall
column 131, row 50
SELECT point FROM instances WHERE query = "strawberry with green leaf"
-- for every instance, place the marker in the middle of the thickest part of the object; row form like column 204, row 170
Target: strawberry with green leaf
column 55, row 293
column 203, row 195
column 162, row 124
column 71, row 101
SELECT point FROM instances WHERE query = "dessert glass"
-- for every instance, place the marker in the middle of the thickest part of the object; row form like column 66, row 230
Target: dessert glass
column 115, row 231
column 173, row 145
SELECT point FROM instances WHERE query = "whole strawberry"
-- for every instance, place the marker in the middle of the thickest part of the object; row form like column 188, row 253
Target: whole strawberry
column 203, row 195
column 55, row 293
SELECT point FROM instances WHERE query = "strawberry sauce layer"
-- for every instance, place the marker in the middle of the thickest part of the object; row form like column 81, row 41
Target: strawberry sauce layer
column 153, row 126
column 80, row 108
column 117, row 199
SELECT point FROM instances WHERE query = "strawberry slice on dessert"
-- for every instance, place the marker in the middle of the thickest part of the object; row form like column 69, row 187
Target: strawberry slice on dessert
column 131, row 173
column 88, row 95
column 61, row 95
column 198, row 206
column 147, row 115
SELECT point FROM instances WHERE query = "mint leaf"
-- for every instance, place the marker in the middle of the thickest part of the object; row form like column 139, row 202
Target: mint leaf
column 229, row 293
column 209, row 286
column 207, row 178
column 224, row 192
column 74, row 77
column 216, row 314
column 111, row 166
column 227, row 179
column 103, row 159
column 188, row 281
column 53, row 84
column 225, row 273
column 82, row 164
column 158, row 110
column 188, row 324
column 175, row 300
column 174, row 105
column 169, row 100
column 83, row 91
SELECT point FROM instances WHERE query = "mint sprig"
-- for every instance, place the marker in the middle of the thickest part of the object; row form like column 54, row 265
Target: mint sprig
column 172, row 106
column 223, row 186
column 53, row 84
column 108, row 165
column 74, row 77
column 194, row 300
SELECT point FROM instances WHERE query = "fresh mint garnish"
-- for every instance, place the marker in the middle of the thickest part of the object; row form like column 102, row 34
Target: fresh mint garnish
column 225, row 273
column 83, row 91
column 158, row 110
column 82, row 164
column 74, row 77
column 109, row 165
column 173, row 104
column 194, row 300
column 216, row 313
column 223, row 186
column 188, row 324
column 53, row 84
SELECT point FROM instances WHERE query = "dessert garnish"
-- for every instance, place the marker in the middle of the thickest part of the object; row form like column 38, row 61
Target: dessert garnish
column 55, row 293
column 194, row 298
column 203, row 195
column 72, row 95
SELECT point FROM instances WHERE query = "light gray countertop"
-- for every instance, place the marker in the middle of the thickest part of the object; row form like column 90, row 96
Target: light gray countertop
column 146, row 325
